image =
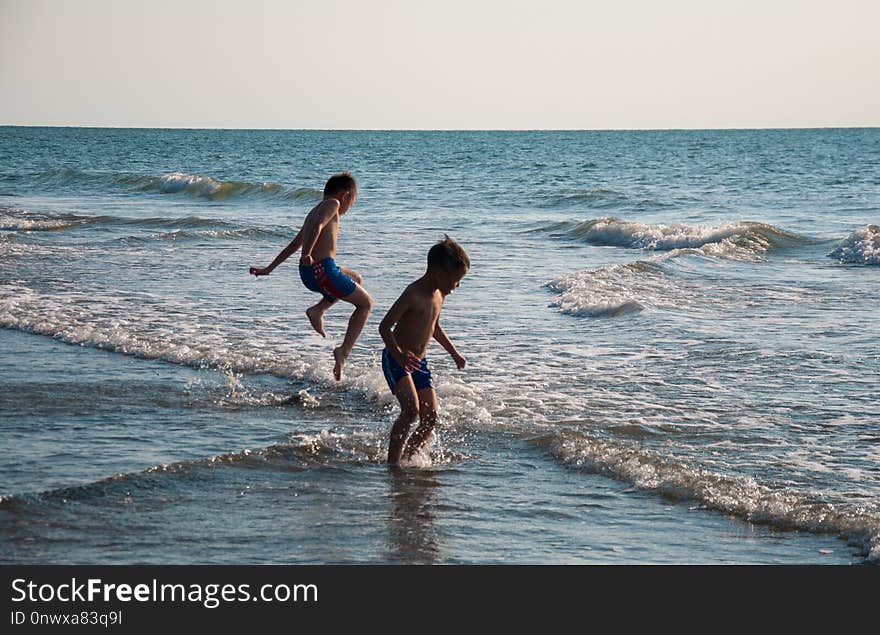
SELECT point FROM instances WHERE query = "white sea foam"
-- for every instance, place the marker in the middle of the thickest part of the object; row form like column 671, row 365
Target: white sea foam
column 611, row 231
column 860, row 247
column 8, row 223
column 108, row 322
column 614, row 290
column 17, row 219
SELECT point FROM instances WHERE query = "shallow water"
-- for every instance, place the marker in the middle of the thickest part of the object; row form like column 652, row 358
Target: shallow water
column 671, row 340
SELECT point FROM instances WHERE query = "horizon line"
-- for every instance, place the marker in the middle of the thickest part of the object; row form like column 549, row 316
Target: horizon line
column 273, row 129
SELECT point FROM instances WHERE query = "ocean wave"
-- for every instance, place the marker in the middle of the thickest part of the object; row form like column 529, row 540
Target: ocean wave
column 742, row 240
column 174, row 333
column 200, row 186
column 181, row 228
column 105, row 323
column 614, row 290
column 18, row 219
column 740, row 496
column 215, row 189
column 860, row 247
column 205, row 186
column 301, row 452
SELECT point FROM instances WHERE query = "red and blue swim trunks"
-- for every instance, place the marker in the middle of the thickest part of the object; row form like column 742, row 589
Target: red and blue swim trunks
column 325, row 277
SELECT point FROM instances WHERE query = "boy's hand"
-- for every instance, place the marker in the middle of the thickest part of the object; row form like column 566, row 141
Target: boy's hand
column 260, row 271
column 307, row 261
column 354, row 275
column 407, row 360
column 459, row 361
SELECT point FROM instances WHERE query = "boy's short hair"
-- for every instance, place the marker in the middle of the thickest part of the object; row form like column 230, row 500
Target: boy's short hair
column 449, row 256
column 338, row 183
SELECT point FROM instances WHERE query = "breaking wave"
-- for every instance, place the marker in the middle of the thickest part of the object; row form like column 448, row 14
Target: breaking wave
column 613, row 290
column 215, row 189
column 18, row 219
column 860, row 247
column 743, row 240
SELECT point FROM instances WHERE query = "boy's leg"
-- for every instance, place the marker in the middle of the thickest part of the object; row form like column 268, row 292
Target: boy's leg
column 405, row 391
column 363, row 304
column 427, row 421
column 316, row 315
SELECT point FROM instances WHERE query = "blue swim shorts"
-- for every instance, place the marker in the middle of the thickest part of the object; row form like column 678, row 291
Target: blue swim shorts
column 325, row 277
column 394, row 372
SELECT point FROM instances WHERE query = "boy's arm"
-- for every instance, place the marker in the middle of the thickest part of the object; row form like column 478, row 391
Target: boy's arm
column 440, row 336
column 406, row 359
column 284, row 255
column 313, row 226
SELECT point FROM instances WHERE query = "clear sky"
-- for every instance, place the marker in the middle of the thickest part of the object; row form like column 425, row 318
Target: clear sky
column 449, row 64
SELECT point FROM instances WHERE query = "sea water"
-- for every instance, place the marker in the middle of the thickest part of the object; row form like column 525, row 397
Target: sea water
column 672, row 344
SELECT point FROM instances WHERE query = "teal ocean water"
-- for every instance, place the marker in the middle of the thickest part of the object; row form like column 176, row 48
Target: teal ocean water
column 672, row 343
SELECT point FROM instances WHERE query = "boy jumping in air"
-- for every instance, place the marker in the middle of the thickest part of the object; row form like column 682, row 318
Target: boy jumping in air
column 318, row 269
column 407, row 330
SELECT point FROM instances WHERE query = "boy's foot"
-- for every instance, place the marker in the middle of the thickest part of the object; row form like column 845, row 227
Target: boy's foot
column 316, row 319
column 340, row 358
